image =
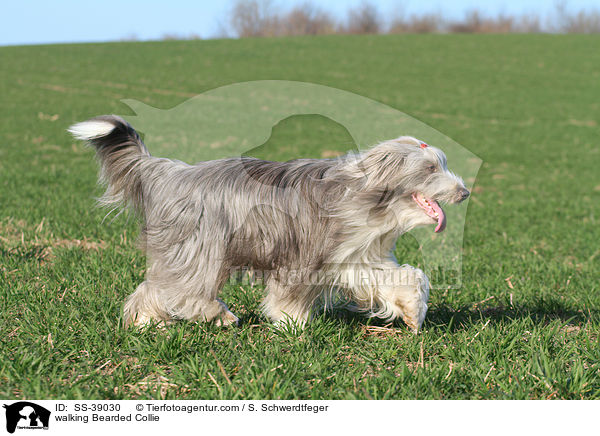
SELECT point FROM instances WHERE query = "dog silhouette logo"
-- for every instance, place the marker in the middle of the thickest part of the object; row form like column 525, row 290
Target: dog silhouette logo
column 26, row 415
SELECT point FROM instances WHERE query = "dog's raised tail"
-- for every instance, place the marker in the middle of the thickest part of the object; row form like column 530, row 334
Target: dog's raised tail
column 120, row 151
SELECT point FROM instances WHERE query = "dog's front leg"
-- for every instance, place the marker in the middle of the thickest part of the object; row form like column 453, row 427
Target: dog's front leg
column 405, row 293
column 289, row 302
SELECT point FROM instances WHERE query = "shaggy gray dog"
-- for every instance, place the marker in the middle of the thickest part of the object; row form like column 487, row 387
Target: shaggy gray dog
column 316, row 228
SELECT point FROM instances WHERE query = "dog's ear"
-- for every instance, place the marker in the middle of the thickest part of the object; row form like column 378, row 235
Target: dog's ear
column 381, row 165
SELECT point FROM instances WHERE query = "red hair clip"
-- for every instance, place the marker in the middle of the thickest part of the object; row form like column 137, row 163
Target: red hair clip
column 423, row 145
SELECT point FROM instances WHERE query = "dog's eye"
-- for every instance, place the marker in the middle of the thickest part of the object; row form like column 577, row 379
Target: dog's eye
column 431, row 168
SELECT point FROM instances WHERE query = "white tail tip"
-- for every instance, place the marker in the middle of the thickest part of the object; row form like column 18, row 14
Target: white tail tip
column 91, row 129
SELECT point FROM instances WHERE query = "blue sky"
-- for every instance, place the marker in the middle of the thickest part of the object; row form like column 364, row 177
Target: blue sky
column 45, row 21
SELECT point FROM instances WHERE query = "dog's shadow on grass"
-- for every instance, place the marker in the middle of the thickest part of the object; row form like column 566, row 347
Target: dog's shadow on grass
column 453, row 319
column 441, row 315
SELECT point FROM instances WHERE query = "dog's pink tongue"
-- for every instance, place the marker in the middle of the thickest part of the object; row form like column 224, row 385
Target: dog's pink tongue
column 441, row 225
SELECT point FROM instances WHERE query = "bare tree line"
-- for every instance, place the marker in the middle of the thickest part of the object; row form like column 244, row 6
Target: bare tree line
column 255, row 18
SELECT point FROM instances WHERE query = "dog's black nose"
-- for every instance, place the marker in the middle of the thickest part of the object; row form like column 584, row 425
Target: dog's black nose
column 463, row 194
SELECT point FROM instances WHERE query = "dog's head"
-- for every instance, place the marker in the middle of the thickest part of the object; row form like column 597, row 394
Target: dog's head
column 417, row 178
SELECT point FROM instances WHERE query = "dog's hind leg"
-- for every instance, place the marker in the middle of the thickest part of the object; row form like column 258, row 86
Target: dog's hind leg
column 144, row 306
column 193, row 295
column 215, row 311
column 197, row 306
column 165, row 299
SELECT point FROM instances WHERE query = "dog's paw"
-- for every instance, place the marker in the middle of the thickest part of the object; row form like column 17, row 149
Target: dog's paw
column 412, row 324
column 227, row 319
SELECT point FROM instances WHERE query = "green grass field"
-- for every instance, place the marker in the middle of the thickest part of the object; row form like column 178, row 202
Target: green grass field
column 525, row 323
